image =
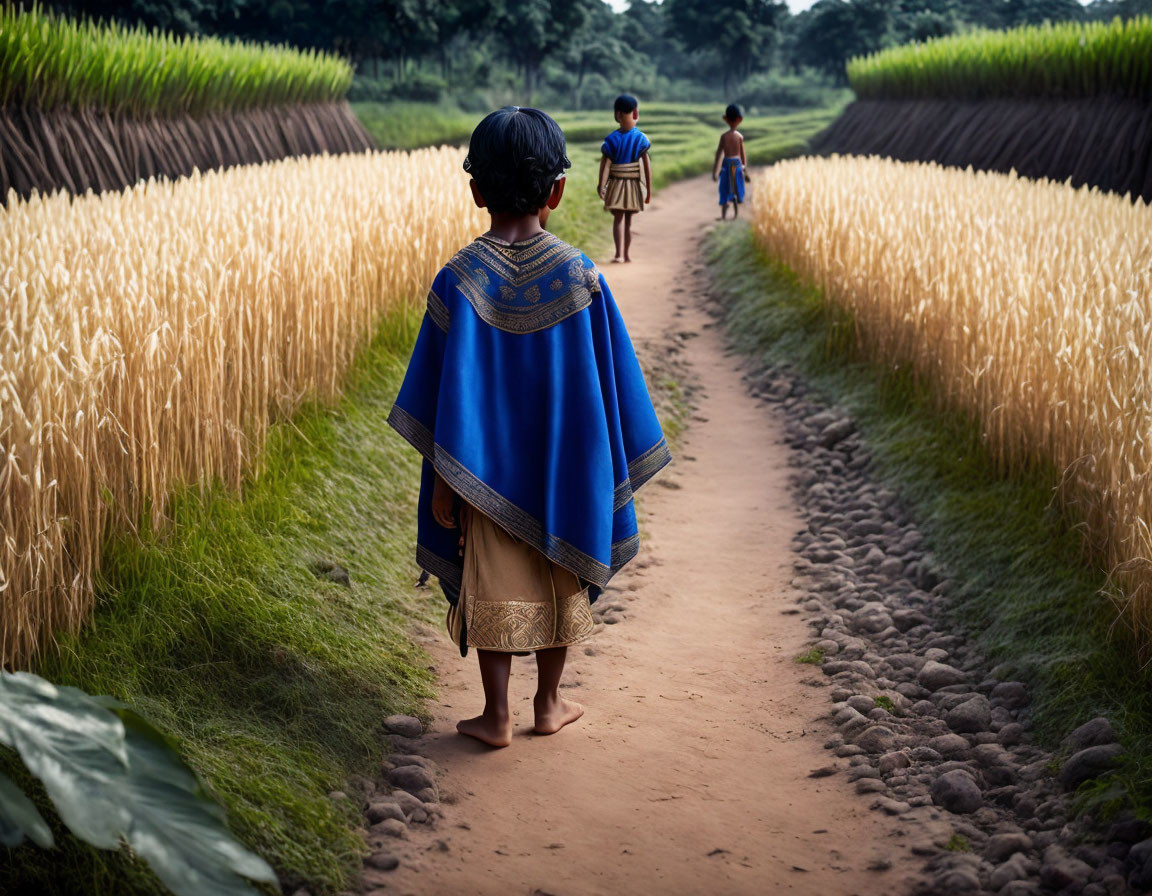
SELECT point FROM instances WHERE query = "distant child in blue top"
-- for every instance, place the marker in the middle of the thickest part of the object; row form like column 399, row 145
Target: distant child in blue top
column 730, row 164
column 625, row 173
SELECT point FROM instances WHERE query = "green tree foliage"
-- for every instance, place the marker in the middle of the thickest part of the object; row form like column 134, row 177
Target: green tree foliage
column 741, row 34
column 581, row 50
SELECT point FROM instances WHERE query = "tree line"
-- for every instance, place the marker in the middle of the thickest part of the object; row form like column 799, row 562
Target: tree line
column 569, row 45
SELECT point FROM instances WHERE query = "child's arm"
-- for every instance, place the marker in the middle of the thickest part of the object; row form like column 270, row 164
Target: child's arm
column 605, row 162
column 719, row 158
column 647, row 164
column 443, row 503
column 743, row 158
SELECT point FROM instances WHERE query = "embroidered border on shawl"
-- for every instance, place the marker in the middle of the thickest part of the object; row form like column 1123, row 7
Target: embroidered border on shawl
column 648, row 464
column 416, row 433
column 621, row 495
column 624, row 550
column 522, row 266
column 517, row 521
column 438, row 566
column 438, row 311
column 513, row 518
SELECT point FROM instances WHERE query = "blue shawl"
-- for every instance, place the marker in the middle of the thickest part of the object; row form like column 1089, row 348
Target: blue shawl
column 525, row 395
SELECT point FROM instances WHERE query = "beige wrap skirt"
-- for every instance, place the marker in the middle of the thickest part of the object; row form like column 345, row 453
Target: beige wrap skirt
column 624, row 191
column 514, row 599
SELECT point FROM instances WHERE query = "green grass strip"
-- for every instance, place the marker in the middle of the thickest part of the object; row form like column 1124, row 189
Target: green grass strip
column 272, row 680
column 49, row 61
column 1024, row 593
column 1065, row 60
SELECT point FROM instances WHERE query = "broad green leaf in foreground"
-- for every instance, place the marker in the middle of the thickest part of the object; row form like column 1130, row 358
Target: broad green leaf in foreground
column 114, row 778
column 19, row 817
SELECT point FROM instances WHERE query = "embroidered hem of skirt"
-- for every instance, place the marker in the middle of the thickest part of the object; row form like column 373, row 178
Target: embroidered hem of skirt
column 513, row 599
column 624, row 191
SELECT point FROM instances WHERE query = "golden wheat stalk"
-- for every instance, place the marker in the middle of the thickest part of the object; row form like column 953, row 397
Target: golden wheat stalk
column 147, row 339
column 1027, row 304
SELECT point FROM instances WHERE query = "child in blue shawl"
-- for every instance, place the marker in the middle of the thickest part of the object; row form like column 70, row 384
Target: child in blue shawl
column 526, row 400
column 625, row 173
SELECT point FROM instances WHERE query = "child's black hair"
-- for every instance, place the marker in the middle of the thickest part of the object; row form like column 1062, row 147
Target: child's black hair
column 733, row 111
column 626, row 103
column 515, row 155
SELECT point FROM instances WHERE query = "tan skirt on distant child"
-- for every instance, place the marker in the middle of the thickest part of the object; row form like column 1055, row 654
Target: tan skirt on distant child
column 624, row 191
column 514, row 599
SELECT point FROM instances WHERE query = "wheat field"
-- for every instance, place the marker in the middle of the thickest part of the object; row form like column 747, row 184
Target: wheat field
column 148, row 338
column 1026, row 304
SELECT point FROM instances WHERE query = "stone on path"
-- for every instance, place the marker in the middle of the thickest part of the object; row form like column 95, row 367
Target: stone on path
column 1096, row 733
column 383, row 861
column 934, row 675
column 1088, row 764
column 957, row 792
column 405, row 726
column 971, row 716
column 413, row 778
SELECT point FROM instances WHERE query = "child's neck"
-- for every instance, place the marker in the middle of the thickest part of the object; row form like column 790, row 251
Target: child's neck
column 513, row 228
column 627, row 124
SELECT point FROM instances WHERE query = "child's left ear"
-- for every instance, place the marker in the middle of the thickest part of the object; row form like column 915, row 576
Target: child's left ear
column 557, row 193
column 477, row 196
column 635, row 114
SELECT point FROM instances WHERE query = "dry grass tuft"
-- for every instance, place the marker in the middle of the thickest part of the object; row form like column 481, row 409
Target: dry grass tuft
column 1027, row 304
column 147, row 339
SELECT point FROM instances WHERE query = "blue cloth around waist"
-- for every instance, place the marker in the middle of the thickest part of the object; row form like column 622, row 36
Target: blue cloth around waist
column 731, row 181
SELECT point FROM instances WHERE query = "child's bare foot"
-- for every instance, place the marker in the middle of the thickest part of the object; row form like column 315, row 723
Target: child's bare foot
column 554, row 713
column 492, row 731
column 617, row 260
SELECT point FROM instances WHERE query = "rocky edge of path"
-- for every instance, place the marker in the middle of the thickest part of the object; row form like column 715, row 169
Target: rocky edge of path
column 927, row 729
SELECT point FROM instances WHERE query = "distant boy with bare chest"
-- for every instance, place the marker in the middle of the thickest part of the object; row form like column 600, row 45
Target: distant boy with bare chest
column 729, row 167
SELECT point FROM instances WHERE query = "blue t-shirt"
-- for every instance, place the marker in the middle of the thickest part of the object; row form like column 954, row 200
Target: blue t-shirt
column 623, row 147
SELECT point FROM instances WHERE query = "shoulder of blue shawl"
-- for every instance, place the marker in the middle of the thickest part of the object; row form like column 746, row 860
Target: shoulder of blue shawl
column 526, row 286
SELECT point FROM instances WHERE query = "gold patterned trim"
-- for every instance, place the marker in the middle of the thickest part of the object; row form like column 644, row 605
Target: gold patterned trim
column 438, row 566
column 518, row 521
column 438, row 311
column 621, row 495
column 516, row 625
column 519, row 304
column 416, row 433
column 648, row 464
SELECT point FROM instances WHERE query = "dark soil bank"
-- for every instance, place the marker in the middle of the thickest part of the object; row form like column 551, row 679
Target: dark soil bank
column 1101, row 141
column 79, row 151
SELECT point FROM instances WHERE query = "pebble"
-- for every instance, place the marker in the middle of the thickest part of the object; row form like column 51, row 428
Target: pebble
column 971, row 716
column 876, row 739
column 380, row 810
column 412, row 778
column 405, row 726
column 934, row 675
column 1060, row 870
column 1001, row 846
column 958, row 792
column 383, row 861
column 890, row 762
column 1088, row 764
column 1016, row 867
column 390, row 827
column 1095, row 733
column 950, row 745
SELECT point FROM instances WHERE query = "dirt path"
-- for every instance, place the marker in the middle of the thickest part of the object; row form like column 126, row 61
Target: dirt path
column 689, row 772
